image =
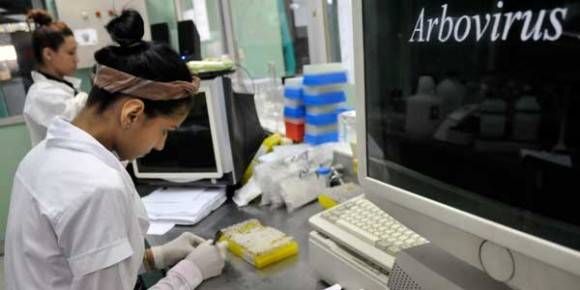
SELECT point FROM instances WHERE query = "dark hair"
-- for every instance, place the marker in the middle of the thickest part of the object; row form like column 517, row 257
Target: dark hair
column 47, row 33
column 148, row 60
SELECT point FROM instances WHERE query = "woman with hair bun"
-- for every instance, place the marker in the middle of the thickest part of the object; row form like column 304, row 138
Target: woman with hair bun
column 75, row 219
column 54, row 92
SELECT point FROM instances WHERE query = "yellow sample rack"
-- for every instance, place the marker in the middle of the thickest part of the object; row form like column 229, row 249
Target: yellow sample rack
column 259, row 245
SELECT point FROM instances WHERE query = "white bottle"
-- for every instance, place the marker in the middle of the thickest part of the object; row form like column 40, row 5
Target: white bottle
column 451, row 93
column 347, row 127
column 526, row 119
column 423, row 109
column 493, row 118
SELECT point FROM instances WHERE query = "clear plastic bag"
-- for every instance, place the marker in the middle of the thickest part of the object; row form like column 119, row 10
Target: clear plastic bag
column 298, row 191
column 270, row 175
column 247, row 193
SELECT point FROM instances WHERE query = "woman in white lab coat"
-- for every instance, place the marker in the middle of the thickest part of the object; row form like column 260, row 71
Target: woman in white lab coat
column 54, row 92
column 75, row 219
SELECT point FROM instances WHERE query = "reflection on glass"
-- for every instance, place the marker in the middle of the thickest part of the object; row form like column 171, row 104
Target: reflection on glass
column 476, row 104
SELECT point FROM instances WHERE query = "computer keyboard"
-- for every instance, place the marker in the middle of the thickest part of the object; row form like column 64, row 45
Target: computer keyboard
column 366, row 230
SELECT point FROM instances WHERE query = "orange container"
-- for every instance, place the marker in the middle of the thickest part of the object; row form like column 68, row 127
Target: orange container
column 294, row 129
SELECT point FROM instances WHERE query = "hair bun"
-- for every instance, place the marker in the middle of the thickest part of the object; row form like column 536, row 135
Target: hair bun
column 40, row 17
column 127, row 29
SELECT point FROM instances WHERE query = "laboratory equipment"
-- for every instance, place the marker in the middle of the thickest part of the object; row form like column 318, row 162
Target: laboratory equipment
column 493, row 118
column 211, row 66
column 189, row 40
column 527, row 118
column 423, row 109
column 347, row 126
column 451, row 92
column 324, row 91
column 513, row 216
column 258, row 244
column 294, row 111
column 160, row 33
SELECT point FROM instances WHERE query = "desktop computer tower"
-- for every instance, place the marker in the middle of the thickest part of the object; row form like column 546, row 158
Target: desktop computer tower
column 189, row 41
column 160, row 33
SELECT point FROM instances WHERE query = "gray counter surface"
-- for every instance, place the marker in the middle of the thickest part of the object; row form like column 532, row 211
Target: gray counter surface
column 292, row 273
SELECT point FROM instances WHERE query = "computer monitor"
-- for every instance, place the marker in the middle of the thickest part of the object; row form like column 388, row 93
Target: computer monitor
column 199, row 148
column 469, row 129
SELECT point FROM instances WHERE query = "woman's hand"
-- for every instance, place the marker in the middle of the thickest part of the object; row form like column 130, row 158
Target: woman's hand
column 209, row 258
column 172, row 252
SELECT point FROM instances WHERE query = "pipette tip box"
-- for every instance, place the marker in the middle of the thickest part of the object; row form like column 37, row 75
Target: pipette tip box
column 257, row 244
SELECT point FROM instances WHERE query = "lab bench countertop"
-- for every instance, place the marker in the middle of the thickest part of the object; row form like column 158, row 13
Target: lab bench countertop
column 292, row 273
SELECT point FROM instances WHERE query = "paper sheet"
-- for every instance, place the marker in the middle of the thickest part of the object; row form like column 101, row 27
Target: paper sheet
column 159, row 228
column 184, row 206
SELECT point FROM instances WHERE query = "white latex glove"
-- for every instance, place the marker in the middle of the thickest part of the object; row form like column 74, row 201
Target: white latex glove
column 208, row 258
column 172, row 252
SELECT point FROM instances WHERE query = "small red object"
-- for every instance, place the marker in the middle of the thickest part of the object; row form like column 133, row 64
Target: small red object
column 294, row 129
column 98, row 14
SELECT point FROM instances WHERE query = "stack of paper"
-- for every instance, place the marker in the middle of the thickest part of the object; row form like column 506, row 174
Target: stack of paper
column 184, row 206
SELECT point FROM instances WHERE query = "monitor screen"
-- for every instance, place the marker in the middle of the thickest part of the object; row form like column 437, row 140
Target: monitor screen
column 476, row 105
column 189, row 149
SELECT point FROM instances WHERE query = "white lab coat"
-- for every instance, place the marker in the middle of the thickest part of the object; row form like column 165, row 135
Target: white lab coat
column 47, row 99
column 75, row 219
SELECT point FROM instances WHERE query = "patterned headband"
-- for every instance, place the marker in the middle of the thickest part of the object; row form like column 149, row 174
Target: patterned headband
column 116, row 81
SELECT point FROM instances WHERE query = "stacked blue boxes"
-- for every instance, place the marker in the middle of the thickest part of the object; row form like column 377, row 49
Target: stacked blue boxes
column 324, row 92
column 294, row 110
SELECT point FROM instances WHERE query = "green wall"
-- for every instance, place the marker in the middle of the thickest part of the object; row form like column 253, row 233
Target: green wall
column 160, row 11
column 14, row 144
column 257, row 25
column 85, row 75
column 214, row 47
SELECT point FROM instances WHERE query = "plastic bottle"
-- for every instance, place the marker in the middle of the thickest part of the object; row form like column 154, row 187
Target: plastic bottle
column 347, row 126
column 526, row 119
column 493, row 118
column 323, row 174
column 274, row 100
column 423, row 109
column 451, row 93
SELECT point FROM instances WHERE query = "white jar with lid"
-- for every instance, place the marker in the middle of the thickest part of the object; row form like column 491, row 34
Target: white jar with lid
column 526, row 119
column 493, row 118
column 423, row 109
column 451, row 92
